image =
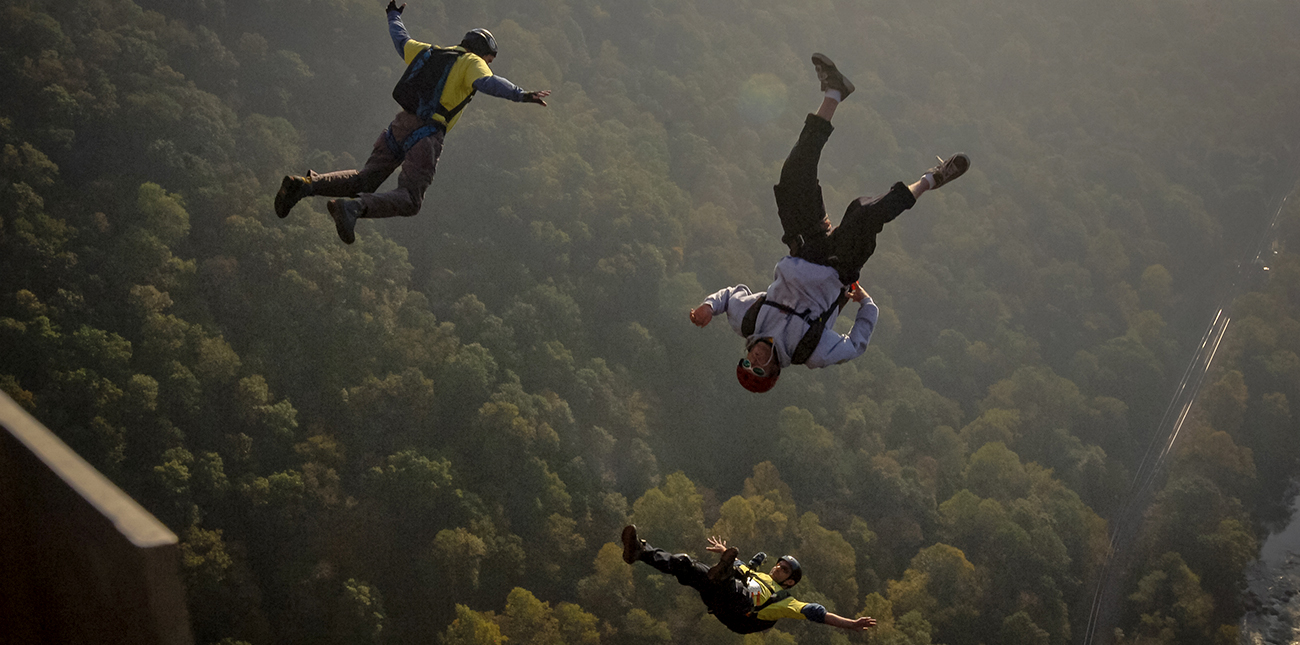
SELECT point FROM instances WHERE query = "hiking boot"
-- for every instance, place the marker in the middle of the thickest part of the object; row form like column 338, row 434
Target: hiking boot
column 723, row 569
column 292, row 189
column 830, row 77
column 949, row 170
column 632, row 546
column 345, row 213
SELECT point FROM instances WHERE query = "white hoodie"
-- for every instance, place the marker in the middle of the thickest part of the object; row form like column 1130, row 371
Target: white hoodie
column 809, row 289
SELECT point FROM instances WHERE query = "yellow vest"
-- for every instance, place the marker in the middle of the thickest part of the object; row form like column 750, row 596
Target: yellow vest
column 761, row 588
column 460, row 80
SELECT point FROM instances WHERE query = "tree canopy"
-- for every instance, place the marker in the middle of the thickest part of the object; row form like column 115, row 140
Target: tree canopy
column 437, row 433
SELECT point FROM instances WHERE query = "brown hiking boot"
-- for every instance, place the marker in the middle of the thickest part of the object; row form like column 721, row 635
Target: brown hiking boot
column 292, row 189
column 345, row 213
column 830, row 77
column 949, row 170
column 723, row 569
column 632, row 546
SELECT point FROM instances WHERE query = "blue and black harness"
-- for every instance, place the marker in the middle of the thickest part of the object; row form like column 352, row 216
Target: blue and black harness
column 419, row 94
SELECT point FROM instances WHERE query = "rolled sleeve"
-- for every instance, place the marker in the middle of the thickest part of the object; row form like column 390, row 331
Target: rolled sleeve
column 814, row 612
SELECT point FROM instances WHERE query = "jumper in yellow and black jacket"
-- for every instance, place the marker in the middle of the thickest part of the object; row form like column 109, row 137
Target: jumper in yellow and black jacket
column 761, row 588
column 470, row 73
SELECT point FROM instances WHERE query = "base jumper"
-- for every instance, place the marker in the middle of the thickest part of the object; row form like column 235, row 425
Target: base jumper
column 437, row 84
column 740, row 596
column 792, row 322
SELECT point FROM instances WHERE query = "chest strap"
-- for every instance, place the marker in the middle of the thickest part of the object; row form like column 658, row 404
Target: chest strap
column 774, row 597
column 808, row 344
column 448, row 115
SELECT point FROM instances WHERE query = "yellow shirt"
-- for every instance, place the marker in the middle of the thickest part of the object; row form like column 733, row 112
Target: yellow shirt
column 761, row 587
column 460, row 81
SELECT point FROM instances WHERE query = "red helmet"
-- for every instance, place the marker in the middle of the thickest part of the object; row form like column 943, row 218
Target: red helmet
column 753, row 382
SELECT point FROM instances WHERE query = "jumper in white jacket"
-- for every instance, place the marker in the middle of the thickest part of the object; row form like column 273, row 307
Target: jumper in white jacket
column 809, row 289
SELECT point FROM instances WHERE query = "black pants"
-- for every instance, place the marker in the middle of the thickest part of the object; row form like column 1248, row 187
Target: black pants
column 726, row 600
column 807, row 230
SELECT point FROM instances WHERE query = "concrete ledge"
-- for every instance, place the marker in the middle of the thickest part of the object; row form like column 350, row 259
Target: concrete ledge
column 84, row 562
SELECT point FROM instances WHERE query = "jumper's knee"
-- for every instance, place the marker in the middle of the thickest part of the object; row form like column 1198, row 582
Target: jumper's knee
column 369, row 182
column 417, row 201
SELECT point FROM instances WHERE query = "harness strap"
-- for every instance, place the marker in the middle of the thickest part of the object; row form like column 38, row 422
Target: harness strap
column 775, row 597
column 787, row 309
column 399, row 150
column 750, row 320
column 448, row 115
column 393, row 146
column 808, row 343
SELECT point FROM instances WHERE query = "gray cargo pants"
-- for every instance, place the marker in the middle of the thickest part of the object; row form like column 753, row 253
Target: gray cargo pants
column 418, row 166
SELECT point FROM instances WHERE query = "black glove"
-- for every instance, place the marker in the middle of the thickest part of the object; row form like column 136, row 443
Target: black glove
column 535, row 97
column 392, row 6
column 757, row 561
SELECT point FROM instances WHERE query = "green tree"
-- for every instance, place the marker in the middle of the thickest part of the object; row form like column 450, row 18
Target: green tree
column 1170, row 605
column 1019, row 629
column 945, row 588
column 827, row 553
column 361, row 616
column 529, row 621
column 670, row 515
column 609, row 590
column 472, row 628
column 994, row 471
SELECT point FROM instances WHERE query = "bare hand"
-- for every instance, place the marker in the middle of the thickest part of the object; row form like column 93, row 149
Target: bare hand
column 862, row 624
column 701, row 315
column 536, row 97
column 716, row 545
column 857, row 293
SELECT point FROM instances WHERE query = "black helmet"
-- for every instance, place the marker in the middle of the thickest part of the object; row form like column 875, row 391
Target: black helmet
column 796, row 572
column 481, row 42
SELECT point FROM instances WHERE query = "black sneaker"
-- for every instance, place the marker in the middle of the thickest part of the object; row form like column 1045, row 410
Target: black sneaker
column 946, row 171
column 723, row 569
column 632, row 546
column 830, row 77
column 345, row 213
column 292, row 189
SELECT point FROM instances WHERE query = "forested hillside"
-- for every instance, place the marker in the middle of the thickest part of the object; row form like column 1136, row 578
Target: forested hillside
column 436, row 434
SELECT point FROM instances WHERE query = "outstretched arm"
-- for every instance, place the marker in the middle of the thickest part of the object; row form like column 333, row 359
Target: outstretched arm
column 733, row 301
column 502, row 88
column 836, row 348
column 854, row 625
column 396, row 29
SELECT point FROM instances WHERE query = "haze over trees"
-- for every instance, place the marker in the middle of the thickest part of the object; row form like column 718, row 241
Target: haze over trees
column 435, row 434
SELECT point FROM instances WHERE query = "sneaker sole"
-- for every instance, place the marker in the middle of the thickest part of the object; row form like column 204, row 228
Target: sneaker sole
column 629, row 542
column 826, row 62
column 335, row 208
column 281, row 209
